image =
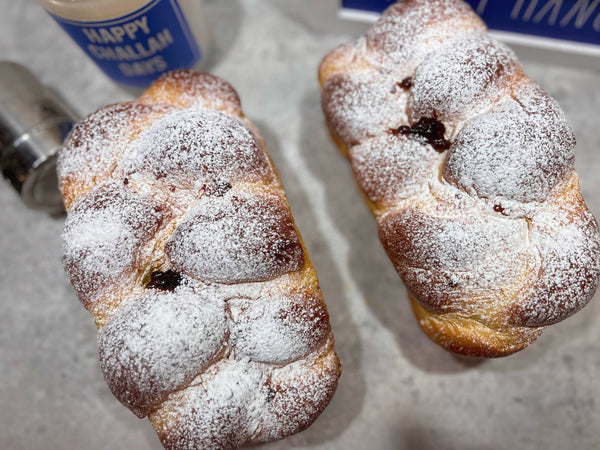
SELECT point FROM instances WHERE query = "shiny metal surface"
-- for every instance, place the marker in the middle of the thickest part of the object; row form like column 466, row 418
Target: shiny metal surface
column 33, row 124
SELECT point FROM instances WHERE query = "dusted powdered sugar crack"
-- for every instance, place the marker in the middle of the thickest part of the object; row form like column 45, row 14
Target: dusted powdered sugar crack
column 468, row 167
column 180, row 242
column 438, row 88
column 198, row 145
column 235, row 238
column 369, row 106
column 512, row 152
column 98, row 142
column 103, row 236
column 399, row 41
column 296, row 318
column 157, row 343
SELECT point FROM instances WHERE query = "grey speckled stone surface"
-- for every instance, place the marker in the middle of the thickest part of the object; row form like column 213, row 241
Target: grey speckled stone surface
column 398, row 389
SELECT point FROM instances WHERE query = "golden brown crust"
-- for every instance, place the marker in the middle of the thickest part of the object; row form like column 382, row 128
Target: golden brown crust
column 194, row 89
column 92, row 160
column 470, row 337
column 294, row 399
column 468, row 168
column 180, row 242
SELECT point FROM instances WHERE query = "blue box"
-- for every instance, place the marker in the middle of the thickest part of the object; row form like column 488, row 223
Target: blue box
column 558, row 25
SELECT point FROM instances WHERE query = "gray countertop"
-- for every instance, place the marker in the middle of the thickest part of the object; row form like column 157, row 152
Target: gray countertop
column 398, row 389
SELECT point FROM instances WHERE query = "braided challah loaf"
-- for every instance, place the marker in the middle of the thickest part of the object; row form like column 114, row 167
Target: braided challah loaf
column 179, row 240
column 468, row 168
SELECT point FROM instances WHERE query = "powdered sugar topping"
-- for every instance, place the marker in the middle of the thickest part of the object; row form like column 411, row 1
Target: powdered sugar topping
column 235, row 238
column 409, row 30
column 97, row 143
column 362, row 105
column 197, row 147
column 157, row 343
column 461, row 78
column 221, row 409
column 512, row 152
column 180, row 242
column 390, row 168
column 568, row 242
column 299, row 321
column 473, row 239
column 103, row 234
column 189, row 89
column 236, row 402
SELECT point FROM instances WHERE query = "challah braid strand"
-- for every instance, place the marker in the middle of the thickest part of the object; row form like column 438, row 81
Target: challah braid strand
column 180, row 242
column 468, row 168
